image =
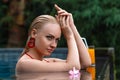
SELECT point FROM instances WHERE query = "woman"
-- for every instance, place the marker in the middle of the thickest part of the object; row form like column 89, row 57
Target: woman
column 44, row 34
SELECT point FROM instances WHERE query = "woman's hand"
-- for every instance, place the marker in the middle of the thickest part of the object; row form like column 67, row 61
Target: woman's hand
column 63, row 18
column 62, row 12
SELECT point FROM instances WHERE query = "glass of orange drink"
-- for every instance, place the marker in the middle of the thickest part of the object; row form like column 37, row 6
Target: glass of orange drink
column 91, row 69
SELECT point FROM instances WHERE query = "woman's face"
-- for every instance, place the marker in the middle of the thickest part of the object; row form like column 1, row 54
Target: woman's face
column 47, row 38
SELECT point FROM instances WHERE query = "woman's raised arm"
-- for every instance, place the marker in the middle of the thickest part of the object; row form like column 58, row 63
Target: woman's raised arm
column 85, row 60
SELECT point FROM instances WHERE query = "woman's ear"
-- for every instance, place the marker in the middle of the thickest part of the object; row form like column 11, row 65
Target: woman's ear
column 33, row 33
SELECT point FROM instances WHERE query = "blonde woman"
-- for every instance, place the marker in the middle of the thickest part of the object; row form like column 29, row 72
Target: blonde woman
column 44, row 34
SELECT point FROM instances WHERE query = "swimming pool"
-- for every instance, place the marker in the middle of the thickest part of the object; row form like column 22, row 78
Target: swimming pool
column 9, row 57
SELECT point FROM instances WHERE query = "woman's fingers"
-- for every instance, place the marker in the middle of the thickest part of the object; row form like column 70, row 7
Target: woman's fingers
column 60, row 20
column 67, row 20
column 61, row 11
column 57, row 18
column 57, row 7
column 64, row 13
column 63, row 22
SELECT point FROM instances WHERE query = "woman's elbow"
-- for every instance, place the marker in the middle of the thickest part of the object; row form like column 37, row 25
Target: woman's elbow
column 85, row 65
column 78, row 66
column 88, row 64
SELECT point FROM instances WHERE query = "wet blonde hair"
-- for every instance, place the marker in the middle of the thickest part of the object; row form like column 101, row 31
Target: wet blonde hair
column 40, row 21
column 37, row 24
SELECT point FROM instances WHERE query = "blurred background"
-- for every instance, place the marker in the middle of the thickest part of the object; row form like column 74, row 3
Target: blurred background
column 96, row 20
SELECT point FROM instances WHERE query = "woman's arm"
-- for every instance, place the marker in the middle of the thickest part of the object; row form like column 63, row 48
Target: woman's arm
column 64, row 21
column 54, row 60
column 83, row 52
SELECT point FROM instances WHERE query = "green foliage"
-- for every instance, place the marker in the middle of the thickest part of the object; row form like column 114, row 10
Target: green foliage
column 4, row 22
column 35, row 8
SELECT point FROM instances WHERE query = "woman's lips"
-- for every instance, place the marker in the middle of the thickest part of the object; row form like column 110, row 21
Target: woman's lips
column 50, row 50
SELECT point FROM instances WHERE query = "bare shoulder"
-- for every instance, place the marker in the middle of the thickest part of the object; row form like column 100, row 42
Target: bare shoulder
column 23, row 62
column 19, row 63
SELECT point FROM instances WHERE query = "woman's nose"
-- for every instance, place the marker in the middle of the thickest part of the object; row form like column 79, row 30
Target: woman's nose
column 53, row 44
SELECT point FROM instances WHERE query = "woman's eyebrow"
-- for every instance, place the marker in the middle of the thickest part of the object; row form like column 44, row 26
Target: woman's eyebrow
column 54, row 36
column 51, row 35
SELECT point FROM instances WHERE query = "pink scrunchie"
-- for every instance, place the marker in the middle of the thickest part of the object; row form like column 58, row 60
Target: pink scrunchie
column 74, row 71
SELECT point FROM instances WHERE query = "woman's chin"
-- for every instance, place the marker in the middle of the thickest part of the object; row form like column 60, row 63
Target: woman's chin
column 48, row 54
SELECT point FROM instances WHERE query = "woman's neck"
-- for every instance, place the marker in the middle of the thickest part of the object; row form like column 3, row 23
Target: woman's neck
column 35, row 55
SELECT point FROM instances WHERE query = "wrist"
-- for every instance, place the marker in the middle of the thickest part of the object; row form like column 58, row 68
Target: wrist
column 72, row 25
column 74, row 29
column 70, row 37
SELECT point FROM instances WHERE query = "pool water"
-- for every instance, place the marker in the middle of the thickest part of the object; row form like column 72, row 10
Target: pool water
column 8, row 60
column 9, row 57
column 7, row 71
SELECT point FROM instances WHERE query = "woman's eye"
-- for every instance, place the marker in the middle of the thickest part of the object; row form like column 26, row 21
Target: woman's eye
column 49, row 37
column 57, row 40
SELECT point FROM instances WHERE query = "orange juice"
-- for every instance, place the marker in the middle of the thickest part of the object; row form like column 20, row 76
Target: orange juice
column 91, row 51
column 92, row 71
